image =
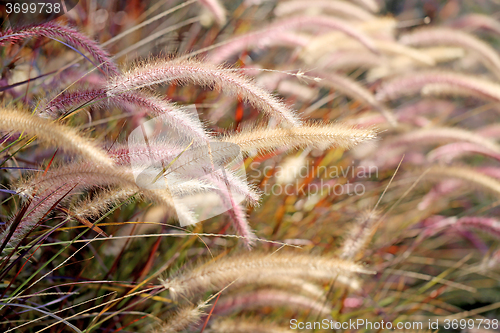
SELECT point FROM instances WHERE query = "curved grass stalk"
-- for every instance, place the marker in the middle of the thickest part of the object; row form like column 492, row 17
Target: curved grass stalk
column 182, row 122
column 350, row 60
column 276, row 32
column 240, row 222
column 219, row 274
column 53, row 134
column 490, row 226
column 72, row 36
column 468, row 175
column 414, row 82
column 319, row 135
column 446, row 134
column 270, row 297
column 250, row 42
column 443, row 90
column 358, row 236
column 453, row 37
column 454, row 150
column 182, row 319
column 237, row 213
column 418, row 56
column 204, row 74
column 57, row 106
column 288, row 283
column 339, row 8
column 96, row 205
column 322, row 46
column 477, row 21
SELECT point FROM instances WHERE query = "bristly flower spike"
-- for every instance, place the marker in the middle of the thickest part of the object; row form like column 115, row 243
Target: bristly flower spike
column 206, row 75
column 72, row 36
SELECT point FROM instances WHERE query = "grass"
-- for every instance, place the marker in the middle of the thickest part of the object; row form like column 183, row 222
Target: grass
column 344, row 148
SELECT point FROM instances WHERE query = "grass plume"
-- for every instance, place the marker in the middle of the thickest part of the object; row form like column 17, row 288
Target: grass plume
column 315, row 135
column 217, row 275
column 71, row 35
column 54, row 134
column 206, row 75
